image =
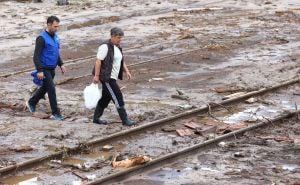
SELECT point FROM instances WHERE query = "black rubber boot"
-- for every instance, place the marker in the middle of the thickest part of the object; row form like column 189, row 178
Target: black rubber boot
column 123, row 115
column 98, row 113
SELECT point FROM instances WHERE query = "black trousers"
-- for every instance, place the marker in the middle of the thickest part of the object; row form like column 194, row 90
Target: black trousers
column 47, row 87
column 110, row 91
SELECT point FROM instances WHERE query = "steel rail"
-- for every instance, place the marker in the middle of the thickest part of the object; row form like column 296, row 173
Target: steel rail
column 140, row 128
column 162, row 160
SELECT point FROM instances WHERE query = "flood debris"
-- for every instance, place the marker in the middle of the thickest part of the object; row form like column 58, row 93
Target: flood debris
column 107, row 147
column 234, row 95
column 4, row 163
column 191, row 125
column 184, row 132
column 54, row 161
column 186, row 106
column 186, row 35
column 179, row 91
column 62, row 2
column 22, row 148
column 216, row 46
column 180, row 97
column 222, row 144
column 197, row 9
column 206, row 131
column 251, row 100
column 127, row 163
column 224, row 129
column 238, row 154
column 280, row 139
column 226, row 88
column 156, row 79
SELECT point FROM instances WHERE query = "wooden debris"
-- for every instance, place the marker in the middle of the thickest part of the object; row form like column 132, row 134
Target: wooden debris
column 215, row 123
column 22, row 148
column 283, row 139
column 107, row 147
column 197, row 9
column 226, row 128
column 224, row 89
column 215, row 46
column 156, row 79
column 207, row 130
column 184, row 132
column 279, row 139
column 234, row 95
column 130, row 162
column 251, row 100
column 191, row 125
column 180, row 97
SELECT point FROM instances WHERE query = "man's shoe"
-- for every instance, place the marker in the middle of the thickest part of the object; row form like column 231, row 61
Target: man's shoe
column 30, row 107
column 57, row 117
column 100, row 122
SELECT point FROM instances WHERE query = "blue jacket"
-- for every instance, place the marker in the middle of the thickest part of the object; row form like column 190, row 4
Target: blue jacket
column 50, row 54
column 35, row 79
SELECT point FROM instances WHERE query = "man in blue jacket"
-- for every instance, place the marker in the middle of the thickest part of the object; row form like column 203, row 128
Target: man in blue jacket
column 46, row 58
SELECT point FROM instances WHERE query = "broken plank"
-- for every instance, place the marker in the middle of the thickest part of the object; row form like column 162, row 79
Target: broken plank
column 184, row 132
column 191, row 125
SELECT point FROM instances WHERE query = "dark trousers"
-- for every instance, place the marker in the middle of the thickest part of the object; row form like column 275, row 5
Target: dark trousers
column 47, row 87
column 110, row 91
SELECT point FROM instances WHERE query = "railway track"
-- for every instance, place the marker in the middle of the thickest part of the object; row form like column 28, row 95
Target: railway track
column 142, row 139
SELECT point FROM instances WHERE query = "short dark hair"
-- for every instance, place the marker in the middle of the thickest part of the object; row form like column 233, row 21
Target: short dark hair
column 116, row 31
column 52, row 19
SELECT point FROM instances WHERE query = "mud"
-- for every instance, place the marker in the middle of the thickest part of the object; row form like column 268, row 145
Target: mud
column 242, row 44
column 255, row 158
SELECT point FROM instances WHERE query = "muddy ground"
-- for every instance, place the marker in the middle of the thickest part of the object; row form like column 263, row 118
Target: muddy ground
column 236, row 45
column 265, row 156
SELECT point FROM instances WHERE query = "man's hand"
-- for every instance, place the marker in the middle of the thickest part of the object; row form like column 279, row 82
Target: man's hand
column 96, row 79
column 63, row 69
column 129, row 77
column 40, row 75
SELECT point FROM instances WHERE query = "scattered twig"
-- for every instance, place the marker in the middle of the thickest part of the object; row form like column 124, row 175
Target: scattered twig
column 296, row 107
column 209, row 112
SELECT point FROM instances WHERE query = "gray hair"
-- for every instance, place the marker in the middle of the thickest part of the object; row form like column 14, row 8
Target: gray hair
column 116, row 31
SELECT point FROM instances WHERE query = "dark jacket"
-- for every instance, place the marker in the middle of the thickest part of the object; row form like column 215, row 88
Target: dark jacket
column 107, row 64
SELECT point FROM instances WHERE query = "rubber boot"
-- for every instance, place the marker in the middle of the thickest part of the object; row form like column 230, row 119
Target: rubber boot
column 98, row 113
column 124, row 117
